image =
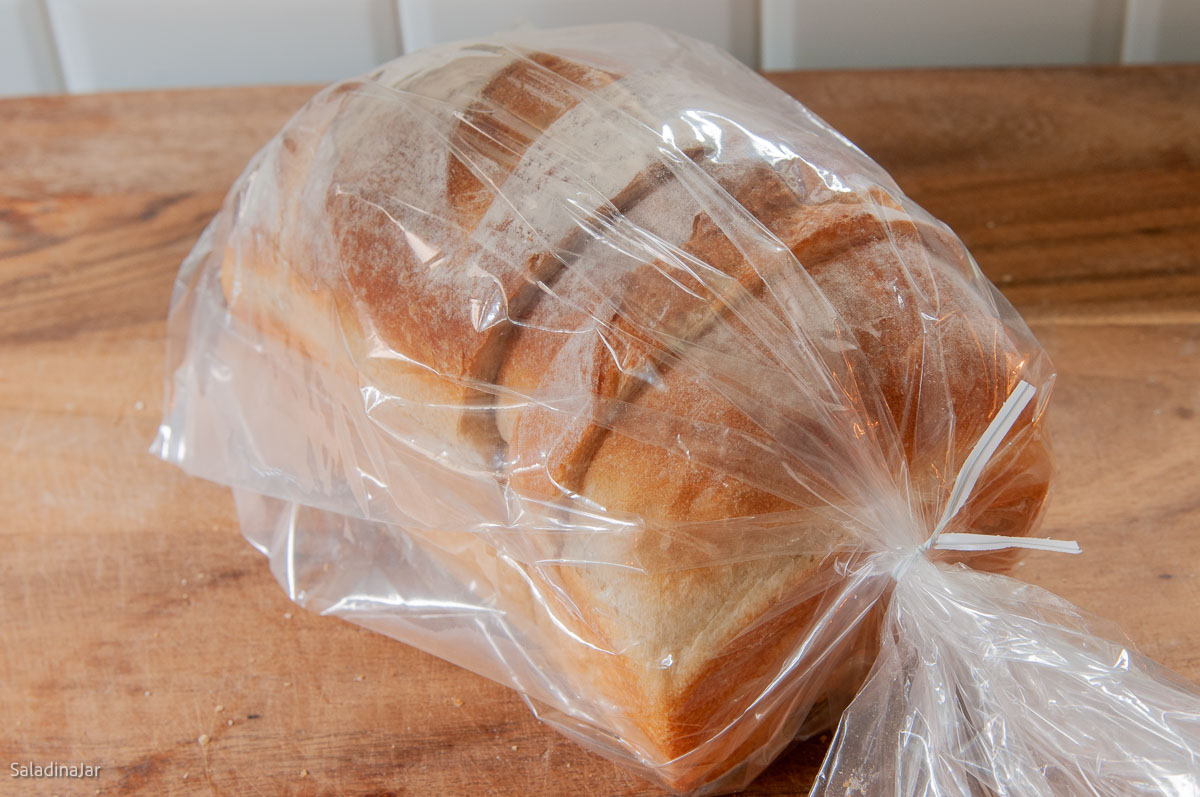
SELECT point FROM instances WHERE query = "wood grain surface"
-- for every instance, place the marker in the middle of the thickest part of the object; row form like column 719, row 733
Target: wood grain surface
column 140, row 633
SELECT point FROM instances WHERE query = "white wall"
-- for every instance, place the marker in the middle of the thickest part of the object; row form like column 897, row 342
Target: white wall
column 883, row 33
column 51, row 46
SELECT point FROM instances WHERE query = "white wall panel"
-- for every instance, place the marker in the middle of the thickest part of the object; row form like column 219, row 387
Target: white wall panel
column 732, row 24
column 1179, row 32
column 884, row 33
column 83, row 45
column 28, row 63
column 1139, row 40
column 1161, row 31
column 126, row 44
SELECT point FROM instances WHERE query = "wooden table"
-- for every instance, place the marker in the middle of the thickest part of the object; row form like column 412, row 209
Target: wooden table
column 135, row 620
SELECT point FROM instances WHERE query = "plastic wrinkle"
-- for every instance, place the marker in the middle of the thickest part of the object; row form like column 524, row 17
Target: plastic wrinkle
column 593, row 363
column 985, row 685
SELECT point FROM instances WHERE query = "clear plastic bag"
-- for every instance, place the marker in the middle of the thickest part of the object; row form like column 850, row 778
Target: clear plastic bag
column 591, row 362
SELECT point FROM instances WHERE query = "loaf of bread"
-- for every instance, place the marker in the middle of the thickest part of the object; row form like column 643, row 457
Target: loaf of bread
column 687, row 354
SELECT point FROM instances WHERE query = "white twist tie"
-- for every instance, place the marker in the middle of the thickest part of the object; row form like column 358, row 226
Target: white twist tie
column 970, row 472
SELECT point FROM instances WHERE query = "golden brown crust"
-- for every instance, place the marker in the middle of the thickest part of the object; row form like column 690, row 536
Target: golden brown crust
column 412, row 297
column 524, row 99
column 876, row 275
column 676, row 654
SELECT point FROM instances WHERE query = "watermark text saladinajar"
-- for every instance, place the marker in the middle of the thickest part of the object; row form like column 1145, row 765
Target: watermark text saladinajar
column 53, row 769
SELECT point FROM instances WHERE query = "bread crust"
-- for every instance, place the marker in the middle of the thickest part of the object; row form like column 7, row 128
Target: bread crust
column 576, row 372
